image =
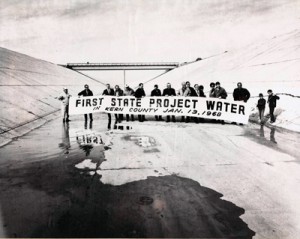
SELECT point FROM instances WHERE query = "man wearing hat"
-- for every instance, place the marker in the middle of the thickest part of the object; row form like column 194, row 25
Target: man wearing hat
column 65, row 101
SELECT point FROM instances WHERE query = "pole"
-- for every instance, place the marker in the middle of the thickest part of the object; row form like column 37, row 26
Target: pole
column 124, row 80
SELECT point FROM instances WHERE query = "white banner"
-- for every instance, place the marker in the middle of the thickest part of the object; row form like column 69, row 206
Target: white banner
column 211, row 108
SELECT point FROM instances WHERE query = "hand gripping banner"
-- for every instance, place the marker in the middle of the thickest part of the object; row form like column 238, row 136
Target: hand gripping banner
column 210, row 108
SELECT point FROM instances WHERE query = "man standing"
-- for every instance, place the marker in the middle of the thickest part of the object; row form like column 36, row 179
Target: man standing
column 181, row 92
column 129, row 92
column 220, row 92
column 108, row 91
column 261, row 104
column 65, row 101
column 200, row 93
column 140, row 93
column 212, row 90
column 118, row 92
column 156, row 92
column 169, row 92
column 201, row 89
column 86, row 92
column 241, row 94
column 189, row 91
column 192, row 91
column 272, row 104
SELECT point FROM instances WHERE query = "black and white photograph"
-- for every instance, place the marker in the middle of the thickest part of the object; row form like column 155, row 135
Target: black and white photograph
column 150, row 119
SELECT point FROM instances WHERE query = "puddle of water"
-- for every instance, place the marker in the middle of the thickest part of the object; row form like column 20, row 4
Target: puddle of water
column 56, row 140
column 44, row 195
column 87, row 164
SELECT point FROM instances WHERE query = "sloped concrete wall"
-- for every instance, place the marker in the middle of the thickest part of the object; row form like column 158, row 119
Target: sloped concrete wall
column 272, row 64
column 28, row 91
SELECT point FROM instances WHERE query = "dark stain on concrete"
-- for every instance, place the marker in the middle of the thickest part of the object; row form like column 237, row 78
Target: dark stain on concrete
column 65, row 203
column 154, row 150
column 268, row 163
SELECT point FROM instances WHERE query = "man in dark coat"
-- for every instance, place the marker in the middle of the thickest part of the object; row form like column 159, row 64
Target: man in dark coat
column 261, row 104
column 219, row 91
column 118, row 92
column 140, row 93
column 108, row 91
column 169, row 92
column 86, row 92
column 192, row 90
column 201, row 90
column 128, row 92
column 201, row 94
column 272, row 104
column 156, row 92
column 241, row 94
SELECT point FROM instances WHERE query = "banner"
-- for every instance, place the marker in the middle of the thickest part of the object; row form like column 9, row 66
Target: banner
column 211, row 108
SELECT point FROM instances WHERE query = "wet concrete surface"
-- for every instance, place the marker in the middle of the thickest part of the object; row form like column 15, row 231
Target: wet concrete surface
column 279, row 139
column 43, row 194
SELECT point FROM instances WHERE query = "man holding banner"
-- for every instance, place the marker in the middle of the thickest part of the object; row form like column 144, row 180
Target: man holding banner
column 129, row 92
column 140, row 93
column 169, row 92
column 156, row 92
column 118, row 92
column 108, row 91
column 210, row 108
column 86, row 92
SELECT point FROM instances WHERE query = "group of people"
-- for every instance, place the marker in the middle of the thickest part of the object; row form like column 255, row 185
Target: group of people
column 186, row 90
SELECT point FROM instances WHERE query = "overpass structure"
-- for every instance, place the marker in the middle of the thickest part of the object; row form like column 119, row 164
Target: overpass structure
column 78, row 67
column 121, row 66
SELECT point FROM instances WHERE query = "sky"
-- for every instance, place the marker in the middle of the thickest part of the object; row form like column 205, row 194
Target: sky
column 72, row 31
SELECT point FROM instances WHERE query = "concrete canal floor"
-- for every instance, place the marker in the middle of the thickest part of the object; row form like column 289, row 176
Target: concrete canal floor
column 151, row 179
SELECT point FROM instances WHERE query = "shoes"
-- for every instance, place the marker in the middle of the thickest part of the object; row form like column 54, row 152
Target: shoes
column 271, row 122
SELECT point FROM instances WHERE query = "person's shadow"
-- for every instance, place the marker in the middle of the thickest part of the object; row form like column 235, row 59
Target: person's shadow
column 272, row 135
column 65, row 145
column 262, row 131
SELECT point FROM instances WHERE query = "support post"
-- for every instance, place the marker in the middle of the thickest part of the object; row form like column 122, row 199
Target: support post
column 124, row 80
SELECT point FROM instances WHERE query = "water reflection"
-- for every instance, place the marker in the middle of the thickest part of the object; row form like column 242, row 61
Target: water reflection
column 86, row 124
column 87, row 139
column 65, row 145
column 262, row 131
column 272, row 135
